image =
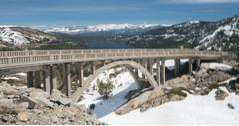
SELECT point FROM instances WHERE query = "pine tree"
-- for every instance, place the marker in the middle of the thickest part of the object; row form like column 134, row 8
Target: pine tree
column 105, row 88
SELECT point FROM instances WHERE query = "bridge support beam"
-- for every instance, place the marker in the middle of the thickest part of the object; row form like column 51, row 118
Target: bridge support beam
column 30, row 80
column 150, row 66
column 37, row 79
column 67, row 79
column 53, row 76
column 190, row 66
column 176, row 67
column 80, row 75
column 47, row 83
column 93, row 65
column 162, row 71
column 158, row 71
column 198, row 63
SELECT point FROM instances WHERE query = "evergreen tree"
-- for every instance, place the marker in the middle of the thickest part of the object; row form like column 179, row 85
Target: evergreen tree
column 105, row 88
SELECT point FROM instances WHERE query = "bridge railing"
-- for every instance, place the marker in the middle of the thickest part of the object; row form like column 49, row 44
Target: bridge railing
column 53, row 56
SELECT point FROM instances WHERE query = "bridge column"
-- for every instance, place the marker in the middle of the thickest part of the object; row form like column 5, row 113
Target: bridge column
column 190, row 66
column 30, row 81
column 158, row 71
column 198, row 63
column 144, row 64
column 176, row 67
column 37, row 79
column 150, row 66
column 53, row 76
column 47, row 83
column 80, row 75
column 162, row 71
column 67, row 79
column 93, row 67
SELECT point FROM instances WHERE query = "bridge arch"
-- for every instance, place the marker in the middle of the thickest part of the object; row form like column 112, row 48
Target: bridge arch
column 133, row 64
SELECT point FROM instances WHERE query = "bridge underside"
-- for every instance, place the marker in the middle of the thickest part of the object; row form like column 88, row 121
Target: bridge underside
column 69, row 77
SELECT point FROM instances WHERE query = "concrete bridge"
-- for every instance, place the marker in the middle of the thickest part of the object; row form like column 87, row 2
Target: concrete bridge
column 48, row 62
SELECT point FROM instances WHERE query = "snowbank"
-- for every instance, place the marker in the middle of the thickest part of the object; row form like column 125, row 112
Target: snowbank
column 194, row 110
column 216, row 66
column 123, row 82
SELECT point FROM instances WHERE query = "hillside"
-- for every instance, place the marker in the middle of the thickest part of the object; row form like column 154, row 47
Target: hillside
column 219, row 35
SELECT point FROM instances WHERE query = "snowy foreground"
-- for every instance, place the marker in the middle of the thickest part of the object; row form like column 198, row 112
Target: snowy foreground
column 194, row 110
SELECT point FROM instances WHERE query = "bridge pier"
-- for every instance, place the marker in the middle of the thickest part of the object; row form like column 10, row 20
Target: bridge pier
column 37, row 79
column 198, row 63
column 150, row 66
column 80, row 75
column 158, row 71
column 47, row 80
column 53, row 76
column 93, row 67
column 30, row 81
column 190, row 66
column 67, row 79
column 162, row 71
column 176, row 67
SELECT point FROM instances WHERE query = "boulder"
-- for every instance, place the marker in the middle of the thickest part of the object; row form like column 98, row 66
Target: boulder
column 221, row 95
column 38, row 93
column 23, row 116
column 59, row 98
column 21, row 107
column 7, row 106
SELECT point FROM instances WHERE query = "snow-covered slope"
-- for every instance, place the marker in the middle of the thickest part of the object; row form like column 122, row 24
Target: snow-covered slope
column 222, row 36
column 194, row 110
column 98, row 28
column 12, row 37
column 218, row 35
column 20, row 36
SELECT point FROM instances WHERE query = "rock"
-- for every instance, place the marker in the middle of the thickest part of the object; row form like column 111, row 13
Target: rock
column 21, row 107
column 7, row 106
column 230, row 106
column 133, row 103
column 32, row 103
column 23, row 116
column 221, row 95
column 38, row 93
column 7, row 89
column 59, row 98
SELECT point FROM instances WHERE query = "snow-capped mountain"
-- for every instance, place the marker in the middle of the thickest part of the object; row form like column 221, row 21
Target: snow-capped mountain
column 98, row 28
column 218, row 35
column 21, row 36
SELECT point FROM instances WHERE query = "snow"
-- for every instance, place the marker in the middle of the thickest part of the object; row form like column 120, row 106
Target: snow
column 216, row 66
column 10, row 78
column 124, row 82
column 193, row 110
column 99, row 27
column 12, row 37
column 228, row 30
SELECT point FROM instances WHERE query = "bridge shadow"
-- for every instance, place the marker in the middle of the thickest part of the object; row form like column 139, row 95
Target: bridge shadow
column 105, row 107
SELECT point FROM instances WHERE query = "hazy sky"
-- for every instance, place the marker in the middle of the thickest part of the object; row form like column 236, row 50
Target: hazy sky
column 86, row 12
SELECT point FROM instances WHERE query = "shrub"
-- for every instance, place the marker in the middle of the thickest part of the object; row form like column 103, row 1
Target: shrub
column 105, row 88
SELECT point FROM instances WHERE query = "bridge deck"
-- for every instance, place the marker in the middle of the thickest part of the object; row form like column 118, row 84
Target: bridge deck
column 13, row 59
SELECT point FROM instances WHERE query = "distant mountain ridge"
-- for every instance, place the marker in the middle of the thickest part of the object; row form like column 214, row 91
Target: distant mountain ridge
column 15, row 36
column 98, row 28
column 218, row 35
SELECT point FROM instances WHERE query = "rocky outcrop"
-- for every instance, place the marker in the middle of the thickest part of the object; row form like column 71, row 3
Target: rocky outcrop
column 34, row 106
column 221, row 95
column 152, row 98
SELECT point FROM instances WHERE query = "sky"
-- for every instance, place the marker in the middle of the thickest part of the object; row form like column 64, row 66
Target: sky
column 91, row 12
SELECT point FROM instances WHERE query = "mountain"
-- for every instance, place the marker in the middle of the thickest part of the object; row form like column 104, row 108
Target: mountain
column 97, row 28
column 218, row 35
column 14, row 36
